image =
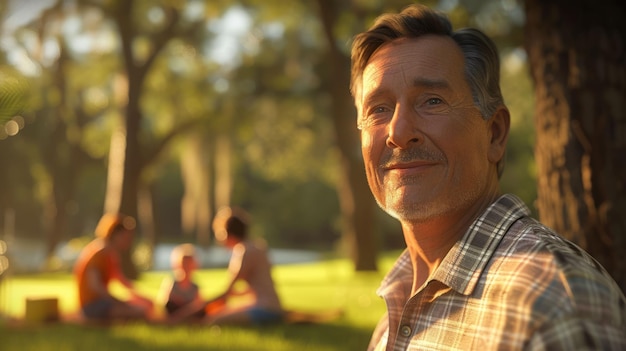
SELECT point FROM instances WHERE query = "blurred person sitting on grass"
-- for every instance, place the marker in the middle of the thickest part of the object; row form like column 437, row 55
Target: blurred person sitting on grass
column 179, row 293
column 99, row 263
column 250, row 264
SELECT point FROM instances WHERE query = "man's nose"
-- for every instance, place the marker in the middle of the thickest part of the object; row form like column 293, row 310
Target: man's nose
column 403, row 128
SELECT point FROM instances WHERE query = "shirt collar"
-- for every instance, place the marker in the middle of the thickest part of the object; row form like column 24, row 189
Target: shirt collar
column 463, row 264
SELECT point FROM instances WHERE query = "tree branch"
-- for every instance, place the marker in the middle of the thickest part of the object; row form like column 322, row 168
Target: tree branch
column 327, row 16
column 161, row 38
column 151, row 154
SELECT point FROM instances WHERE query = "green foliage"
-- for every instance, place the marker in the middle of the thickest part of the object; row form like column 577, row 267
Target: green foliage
column 292, row 213
column 288, row 141
column 520, row 172
column 14, row 95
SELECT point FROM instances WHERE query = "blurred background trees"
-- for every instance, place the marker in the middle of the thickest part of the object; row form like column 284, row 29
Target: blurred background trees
column 167, row 110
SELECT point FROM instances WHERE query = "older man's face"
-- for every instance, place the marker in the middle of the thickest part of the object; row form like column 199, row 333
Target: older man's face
column 424, row 142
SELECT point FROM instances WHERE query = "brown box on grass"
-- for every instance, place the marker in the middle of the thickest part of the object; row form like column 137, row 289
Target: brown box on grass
column 41, row 310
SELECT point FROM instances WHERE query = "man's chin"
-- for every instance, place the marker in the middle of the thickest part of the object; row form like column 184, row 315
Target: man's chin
column 398, row 212
column 406, row 212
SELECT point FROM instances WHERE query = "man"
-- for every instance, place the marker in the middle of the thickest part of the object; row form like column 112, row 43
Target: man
column 250, row 264
column 98, row 265
column 478, row 273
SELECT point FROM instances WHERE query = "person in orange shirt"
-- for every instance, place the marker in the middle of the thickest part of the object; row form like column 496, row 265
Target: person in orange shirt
column 98, row 265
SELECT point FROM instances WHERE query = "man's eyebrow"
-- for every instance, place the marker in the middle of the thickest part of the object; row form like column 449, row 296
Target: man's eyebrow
column 373, row 96
column 421, row 82
column 431, row 83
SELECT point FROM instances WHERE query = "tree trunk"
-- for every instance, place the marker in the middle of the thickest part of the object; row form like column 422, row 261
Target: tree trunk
column 131, row 172
column 577, row 56
column 196, row 203
column 356, row 202
column 133, row 116
column 132, row 160
column 62, row 157
column 145, row 215
column 115, row 171
column 136, row 69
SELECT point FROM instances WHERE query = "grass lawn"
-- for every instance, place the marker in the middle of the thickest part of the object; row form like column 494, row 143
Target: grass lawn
column 310, row 287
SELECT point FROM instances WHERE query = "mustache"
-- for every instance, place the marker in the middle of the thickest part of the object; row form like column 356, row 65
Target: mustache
column 410, row 155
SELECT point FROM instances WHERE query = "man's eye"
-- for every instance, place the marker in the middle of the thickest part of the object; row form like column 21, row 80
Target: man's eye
column 376, row 111
column 379, row 109
column 433, row 101
column 375, row 116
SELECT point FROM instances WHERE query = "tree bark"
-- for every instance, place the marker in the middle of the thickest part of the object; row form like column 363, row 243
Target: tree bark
column 577, row 55
column 132, row 159
column 356, row 202
column 196, row 202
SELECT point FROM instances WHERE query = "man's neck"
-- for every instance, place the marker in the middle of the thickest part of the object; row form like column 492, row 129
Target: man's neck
column 427, row 252
column 428, row 242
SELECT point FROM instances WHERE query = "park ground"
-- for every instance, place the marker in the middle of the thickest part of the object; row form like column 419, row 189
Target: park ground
column 321, row 286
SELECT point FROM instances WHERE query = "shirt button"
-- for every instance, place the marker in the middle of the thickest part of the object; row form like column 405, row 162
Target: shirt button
column 405, row 330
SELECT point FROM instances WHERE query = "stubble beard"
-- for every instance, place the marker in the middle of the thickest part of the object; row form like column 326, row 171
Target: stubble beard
column 406, row 207
column 413, row 208
column 421, row 205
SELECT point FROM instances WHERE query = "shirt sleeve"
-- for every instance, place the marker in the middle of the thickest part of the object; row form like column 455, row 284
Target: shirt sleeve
column 576, row 333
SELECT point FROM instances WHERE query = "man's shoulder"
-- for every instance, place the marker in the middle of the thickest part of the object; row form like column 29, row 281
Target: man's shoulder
column 553, row 276
column 529, row 236
column 561, row 263
column 93, row 249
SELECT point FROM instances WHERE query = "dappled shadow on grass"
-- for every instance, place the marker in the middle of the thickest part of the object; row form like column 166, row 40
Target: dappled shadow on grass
column 61, row 337
column 316, row 337
column 281, row 337
column 301, row 337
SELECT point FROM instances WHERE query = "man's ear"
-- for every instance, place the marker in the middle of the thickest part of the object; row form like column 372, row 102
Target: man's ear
column 499, row 126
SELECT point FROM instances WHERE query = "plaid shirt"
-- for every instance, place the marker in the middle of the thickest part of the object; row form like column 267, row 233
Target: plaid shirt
column 510, row 283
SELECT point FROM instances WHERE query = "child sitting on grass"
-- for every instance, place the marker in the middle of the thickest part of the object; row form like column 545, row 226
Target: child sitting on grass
column 181, row 294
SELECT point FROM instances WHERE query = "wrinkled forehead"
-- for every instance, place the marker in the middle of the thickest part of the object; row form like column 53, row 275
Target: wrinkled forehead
column 436, row 57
